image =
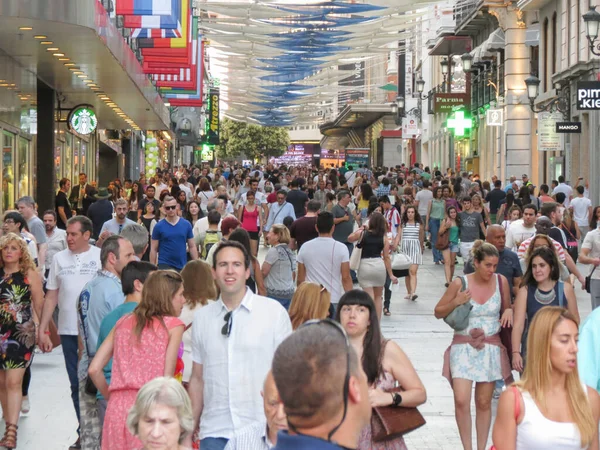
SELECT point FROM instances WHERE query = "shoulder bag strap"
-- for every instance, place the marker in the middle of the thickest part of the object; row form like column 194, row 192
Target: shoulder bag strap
column 561, row 289
column 517, row 402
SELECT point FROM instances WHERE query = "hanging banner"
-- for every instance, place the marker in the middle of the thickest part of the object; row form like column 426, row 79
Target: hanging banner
column 410, row 128
column 548, row 139
column 446, row 103
column 494, row 117
column 212, row 123
column 408, row 80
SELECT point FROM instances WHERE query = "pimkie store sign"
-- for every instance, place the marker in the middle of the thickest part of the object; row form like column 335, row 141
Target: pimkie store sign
column 588, row 95
column 447, row 103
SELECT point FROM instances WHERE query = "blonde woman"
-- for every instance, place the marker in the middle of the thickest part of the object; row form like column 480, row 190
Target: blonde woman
column 549, row 408
column 279, row 268
column 20, row 293
column 198, row 289
column 310, row 301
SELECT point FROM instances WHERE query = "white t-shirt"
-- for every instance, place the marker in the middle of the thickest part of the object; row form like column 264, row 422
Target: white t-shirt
column 322, row 259
column 581, row 214
column 565, row 189
column 69, row 273
column 350, row 177
column 423, row 197
column 517, row 233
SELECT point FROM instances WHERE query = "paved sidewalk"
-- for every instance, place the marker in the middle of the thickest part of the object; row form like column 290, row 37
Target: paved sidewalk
column 51, row 423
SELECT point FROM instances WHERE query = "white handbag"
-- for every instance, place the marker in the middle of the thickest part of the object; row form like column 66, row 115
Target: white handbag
column 356, row 254
column 400, row 261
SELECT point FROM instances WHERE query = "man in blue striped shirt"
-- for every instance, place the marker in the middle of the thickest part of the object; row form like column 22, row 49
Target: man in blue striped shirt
column 261, row 435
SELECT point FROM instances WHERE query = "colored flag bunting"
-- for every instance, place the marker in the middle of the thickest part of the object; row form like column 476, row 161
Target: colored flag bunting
column 144, row 7
column 172, row 42
column 179, row 98
column 157, row 26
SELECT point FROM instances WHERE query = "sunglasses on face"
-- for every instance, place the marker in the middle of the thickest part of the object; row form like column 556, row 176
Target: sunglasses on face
column 169, row 208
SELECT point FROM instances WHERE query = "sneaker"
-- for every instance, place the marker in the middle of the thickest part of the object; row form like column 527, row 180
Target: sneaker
column 76, row 445
column 25, row 406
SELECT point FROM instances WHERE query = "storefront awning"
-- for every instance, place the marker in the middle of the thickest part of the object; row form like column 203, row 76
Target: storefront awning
column 532, row 35
column 72, row 46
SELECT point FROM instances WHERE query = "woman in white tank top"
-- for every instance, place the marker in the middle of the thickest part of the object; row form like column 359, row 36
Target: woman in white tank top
column 550, row 408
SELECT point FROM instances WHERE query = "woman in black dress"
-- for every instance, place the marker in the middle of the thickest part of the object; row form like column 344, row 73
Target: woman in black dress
column 20, row 291
column 148, row 219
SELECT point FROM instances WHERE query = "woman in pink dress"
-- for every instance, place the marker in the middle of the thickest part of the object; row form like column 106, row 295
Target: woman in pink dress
column 144, row 345
column 384, row 362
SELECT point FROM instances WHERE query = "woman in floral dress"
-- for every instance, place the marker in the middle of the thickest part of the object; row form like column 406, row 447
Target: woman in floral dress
column 383, row 361
column 20, row 291
column 144, row 345
column 476, row 354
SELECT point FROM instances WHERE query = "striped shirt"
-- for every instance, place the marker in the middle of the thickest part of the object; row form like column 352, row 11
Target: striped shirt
column 525, row 245
column 252, row 437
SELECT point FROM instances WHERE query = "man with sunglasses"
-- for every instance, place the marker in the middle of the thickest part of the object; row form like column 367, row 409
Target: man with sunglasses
column 233, row 342
column 323, row 388
column 170, row 237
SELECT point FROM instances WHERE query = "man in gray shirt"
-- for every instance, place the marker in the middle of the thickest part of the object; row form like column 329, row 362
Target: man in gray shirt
column 26, row 206
column 471, row 223
column 344, row 224
column 115, row 226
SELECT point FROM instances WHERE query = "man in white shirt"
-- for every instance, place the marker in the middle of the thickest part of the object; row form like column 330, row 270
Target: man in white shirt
column 581, row 209
column 565, row 189
column 201, row 225
column 522, row 229
column 233, row 343
column 422, row 199
column 350, row 177
column 325, row 261
column 71, row 269
column 55, row 238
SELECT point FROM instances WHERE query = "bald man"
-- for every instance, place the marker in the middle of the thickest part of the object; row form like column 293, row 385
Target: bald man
column 508, row 262
column 261, row 436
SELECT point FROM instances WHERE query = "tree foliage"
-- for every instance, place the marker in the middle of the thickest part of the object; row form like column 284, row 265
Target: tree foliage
column 255, row 141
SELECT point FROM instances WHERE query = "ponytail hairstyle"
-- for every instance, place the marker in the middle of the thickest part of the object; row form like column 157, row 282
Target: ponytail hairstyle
column 482, row 250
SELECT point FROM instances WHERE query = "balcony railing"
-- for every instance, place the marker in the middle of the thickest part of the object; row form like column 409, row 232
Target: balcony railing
column 464, row 9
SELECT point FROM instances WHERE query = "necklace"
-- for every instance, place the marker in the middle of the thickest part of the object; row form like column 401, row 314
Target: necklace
column 545, row 298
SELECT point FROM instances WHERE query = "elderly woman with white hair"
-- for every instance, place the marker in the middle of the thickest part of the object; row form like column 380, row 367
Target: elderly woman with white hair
column 161, row 417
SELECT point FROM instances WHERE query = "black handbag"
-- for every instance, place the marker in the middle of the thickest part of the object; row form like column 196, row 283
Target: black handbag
column 588, row 281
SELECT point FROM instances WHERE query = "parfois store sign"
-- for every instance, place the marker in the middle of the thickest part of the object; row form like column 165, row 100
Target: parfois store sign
column 588, row 95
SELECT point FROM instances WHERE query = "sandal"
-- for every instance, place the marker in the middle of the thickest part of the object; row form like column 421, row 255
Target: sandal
column 386, row 312
column 9, row 440
column 414, row 297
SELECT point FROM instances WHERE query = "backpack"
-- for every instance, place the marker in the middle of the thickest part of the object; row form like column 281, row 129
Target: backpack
column 212, row 238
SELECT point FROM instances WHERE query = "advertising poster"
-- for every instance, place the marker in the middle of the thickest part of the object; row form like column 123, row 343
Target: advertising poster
column 332, row 158
column 296, row 155
column 356, row 156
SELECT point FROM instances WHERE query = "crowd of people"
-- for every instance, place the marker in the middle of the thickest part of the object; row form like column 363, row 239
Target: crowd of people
column 175, row 334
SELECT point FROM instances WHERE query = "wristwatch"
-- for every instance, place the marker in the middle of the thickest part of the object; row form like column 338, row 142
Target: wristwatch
column 397, row 399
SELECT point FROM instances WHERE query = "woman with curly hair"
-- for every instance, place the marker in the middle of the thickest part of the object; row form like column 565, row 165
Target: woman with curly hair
column 412, row 243
column 20, row 292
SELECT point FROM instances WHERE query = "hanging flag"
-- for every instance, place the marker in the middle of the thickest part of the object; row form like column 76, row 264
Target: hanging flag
column 182, row 98
column 144, row 7
column 179, row 42
column 156, row 26
column 169, row 60
column 187, row 77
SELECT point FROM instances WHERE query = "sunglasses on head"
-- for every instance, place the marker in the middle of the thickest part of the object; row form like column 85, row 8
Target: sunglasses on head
column 168, row 208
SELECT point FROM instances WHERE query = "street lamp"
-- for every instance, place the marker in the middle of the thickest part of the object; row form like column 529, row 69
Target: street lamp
column 467, row 61
column 561, row 103
column 592, row 23
column 400, row 103
column 444, row 64
column 420, row 84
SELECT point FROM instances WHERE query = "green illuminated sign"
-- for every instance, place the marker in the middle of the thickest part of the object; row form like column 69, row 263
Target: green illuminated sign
column 459, row 123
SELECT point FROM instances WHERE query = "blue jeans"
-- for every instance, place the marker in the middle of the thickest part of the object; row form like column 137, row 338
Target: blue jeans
column 434, row 228
column 213, row 443
column 70, row 353
column 285, row 302
column 350, row 246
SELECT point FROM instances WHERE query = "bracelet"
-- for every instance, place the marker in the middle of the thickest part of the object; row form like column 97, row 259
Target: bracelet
column 516, row 352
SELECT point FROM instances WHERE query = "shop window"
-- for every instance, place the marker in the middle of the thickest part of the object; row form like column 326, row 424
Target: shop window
column 68, row 157
column 8, row 174
column 58, row 152
column 22, row 160
column 75, row 167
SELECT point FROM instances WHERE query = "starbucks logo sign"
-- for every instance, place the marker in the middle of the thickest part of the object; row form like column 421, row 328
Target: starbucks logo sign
column 82, row 119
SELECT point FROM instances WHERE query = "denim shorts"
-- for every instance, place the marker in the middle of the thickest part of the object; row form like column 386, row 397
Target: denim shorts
column 453, row 247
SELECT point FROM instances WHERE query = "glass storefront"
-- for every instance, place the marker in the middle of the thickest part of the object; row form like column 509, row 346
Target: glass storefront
column 16, row 166
column 75, row 154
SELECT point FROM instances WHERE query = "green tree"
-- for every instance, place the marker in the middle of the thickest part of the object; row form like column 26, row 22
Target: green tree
column 254, row 141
